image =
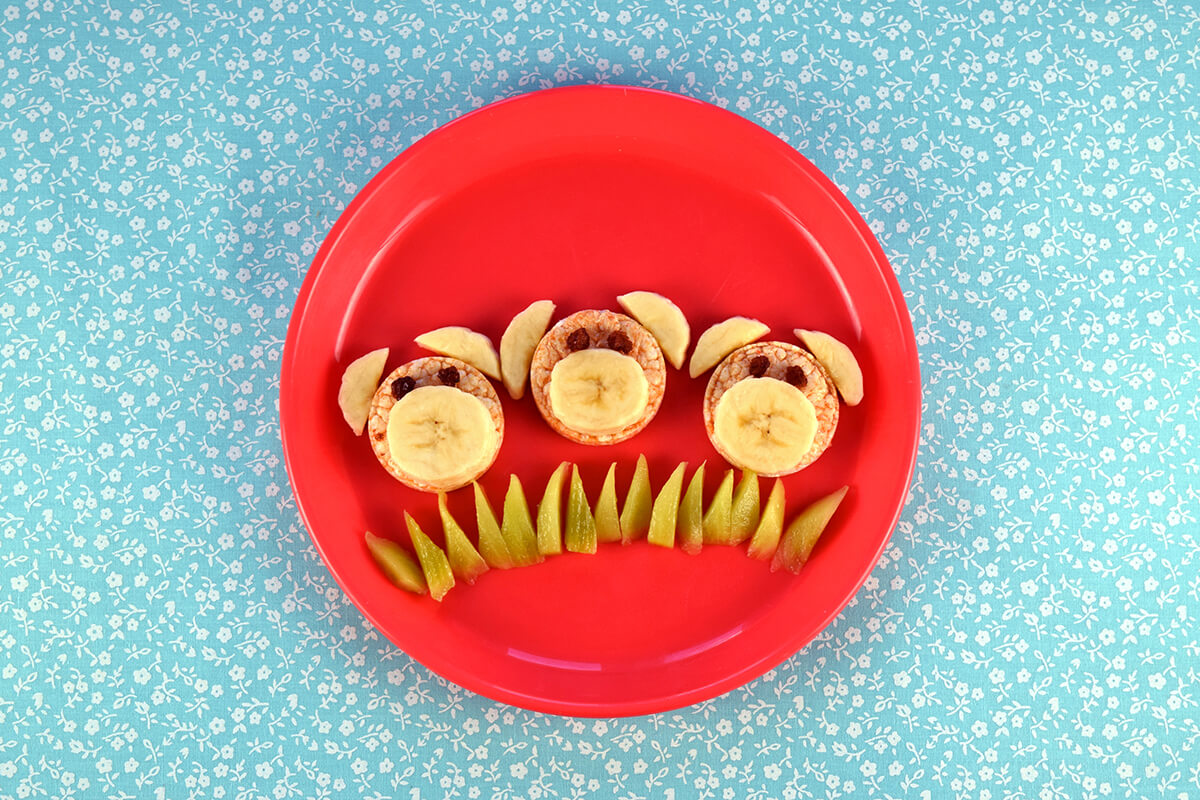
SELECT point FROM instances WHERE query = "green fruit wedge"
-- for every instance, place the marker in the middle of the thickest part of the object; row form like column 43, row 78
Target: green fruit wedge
column 434, row 563
column 549, row 516
column 743, row 518
column 517, row 528
column 635, row 514
column 465, row 561
column 770, row 524
column 691, row 514
column 801, row 536
column 608, row 524
column 491, row 542
column 666, row 510
column 581, row 526
column 397, row 565
column 718, row 517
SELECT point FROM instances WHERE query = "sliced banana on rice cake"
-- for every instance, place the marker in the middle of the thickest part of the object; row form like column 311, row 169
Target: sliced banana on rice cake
column 771, row 408
column 598, row 377
column 436, row 424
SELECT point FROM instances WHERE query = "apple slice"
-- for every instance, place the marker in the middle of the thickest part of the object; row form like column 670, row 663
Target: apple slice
column 666, row 510
column 608, row 523
column 438, row 575
column 520, row 339
column 838, row 361
column 465, row 561
column 770, row 524
column 691, row 514
column 491, row 542
column 396, row 564
column 802, row 534
column 359, row 382
column 581, row 525
column 719, row 516
column 744, row 516
column 549, row 518
column 722, row 339
column 464, row 344
column 663, row 319
column 517, row 527
column 635, row 514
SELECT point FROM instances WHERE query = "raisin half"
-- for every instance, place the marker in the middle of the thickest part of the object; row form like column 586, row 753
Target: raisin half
column 796, row 377
column 402, row 386
column 759, row 365
column 448, row 376
column 578, row 340
column 619, row 342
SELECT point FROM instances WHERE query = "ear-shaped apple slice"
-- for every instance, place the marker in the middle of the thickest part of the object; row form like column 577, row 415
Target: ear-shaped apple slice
column 520, row 339
column 838, row 361
column 663, row 319
column 722, row 339
column 359, row 382
column 465, row 345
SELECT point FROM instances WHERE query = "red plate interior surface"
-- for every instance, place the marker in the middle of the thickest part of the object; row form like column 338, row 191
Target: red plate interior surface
column 578, row 195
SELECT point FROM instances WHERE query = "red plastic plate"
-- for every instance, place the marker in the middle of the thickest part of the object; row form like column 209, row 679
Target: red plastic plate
column 578, row 195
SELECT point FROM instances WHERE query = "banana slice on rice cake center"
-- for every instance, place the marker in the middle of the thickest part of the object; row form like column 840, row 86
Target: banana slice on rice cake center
column 598, row 377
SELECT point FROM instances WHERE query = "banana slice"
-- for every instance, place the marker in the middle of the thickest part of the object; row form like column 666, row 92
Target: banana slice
column 838, row 361
column 518, row 343
column 440, row 435
column 765, row 425
column 664, row 320
column 722, row 339
column 598, row 391
column 358, row 386
column 464, row 344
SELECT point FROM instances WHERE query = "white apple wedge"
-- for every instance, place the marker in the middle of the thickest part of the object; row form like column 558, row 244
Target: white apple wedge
column 464, row 344
column 663, row 319
column 722, row 339
column 520, row 339
column 838, row 361
column 359, row 382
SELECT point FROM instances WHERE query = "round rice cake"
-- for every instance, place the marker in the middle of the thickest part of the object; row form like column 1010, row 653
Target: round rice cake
column 785, row 362
column 431, row 371
column 599, row 327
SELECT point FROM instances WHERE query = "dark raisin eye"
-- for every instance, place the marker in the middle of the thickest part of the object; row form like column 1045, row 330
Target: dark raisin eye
column 578, row 340
column 796, row 377
column 620, row 342
column 759, row 365
column 448, row 376
column 402, row 386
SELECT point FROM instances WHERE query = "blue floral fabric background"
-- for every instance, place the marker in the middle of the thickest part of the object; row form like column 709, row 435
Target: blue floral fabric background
column 169, row 170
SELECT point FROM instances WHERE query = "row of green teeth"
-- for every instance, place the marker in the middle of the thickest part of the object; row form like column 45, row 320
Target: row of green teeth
column 516, row 539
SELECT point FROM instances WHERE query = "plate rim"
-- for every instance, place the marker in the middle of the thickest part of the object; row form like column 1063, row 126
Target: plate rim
column 746, row 672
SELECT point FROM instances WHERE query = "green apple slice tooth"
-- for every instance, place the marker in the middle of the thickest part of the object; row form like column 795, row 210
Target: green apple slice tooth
column 665, row 515
column 719, row 516
column 359, row 382
column 663, row 319
column 635, row 514
column 581, row 526
column 802, row 534
column 438, row 575
column 464, row 344
column 770, row 524
column 608, row 523
column 549, row 515
column 743, row 517
column 491, row 541
column 722, row 339
column 465, row 561
column 691, row 514
column 838, row 361
column 520, row 339
column 517, row 527
column 396, row 564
